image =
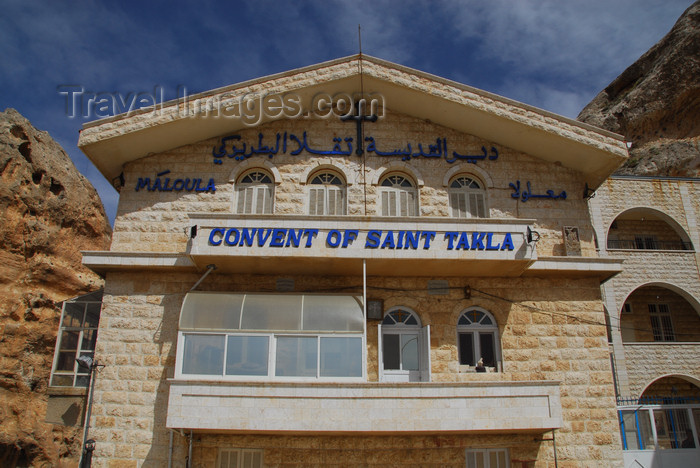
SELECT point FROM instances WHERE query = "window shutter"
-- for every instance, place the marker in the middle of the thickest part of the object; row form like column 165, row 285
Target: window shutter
column 403, row 203
column 248, row 199
column 315, row 201
column 332, row 201
column 380, row 366
column 424, row 357
column 260, row 199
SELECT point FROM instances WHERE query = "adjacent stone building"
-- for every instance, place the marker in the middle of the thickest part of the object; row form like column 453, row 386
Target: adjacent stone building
column 359, row 264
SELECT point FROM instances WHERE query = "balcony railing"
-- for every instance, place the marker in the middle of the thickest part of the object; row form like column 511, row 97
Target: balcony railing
column 658, row 400
column 648, row 244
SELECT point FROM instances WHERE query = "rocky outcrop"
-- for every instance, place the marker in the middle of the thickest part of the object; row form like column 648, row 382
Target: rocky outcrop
column 49, row 212
column 655, row 104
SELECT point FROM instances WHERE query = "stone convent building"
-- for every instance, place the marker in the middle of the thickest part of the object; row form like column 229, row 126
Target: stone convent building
column 360, row 264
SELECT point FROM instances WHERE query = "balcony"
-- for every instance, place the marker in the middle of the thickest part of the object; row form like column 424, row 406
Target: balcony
column 364, row 407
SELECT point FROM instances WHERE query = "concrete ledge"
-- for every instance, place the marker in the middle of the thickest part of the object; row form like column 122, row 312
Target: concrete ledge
column 365, row 408
column 102, row 261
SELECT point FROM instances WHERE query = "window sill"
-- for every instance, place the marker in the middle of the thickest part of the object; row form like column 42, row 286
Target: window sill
column 67, row 391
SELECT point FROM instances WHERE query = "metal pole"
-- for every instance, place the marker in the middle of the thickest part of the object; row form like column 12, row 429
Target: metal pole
column 86, row 461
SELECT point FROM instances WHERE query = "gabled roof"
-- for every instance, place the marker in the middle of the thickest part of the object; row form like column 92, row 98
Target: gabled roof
column 596, row 153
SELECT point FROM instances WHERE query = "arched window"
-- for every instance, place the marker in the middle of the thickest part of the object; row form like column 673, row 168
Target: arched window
column 404, row 347
column 478, row 338
column 327, row 195
column 399, row 196
column 467, row 198
column 254, row 193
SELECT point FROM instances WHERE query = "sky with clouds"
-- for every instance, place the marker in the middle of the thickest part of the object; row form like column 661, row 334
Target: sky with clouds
column 552, row 54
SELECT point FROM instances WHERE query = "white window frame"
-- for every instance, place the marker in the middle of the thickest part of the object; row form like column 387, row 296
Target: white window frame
column 467, row 197
column 476, row 329
column 422, row 334
column 327, row 194
column 271, row 359
column 224, row 459
column 661, row 322
column 248, row 193
column 398, row 196
column 77, row 373
column 471, row 453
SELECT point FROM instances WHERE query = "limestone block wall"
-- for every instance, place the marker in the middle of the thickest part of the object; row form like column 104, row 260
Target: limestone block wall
column 674, row 272
column 647, row 362
column 549, row 331
column 156, row 220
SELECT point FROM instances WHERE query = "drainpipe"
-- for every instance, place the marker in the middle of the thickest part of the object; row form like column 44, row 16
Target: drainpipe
column 170, row 450
column 189, row 452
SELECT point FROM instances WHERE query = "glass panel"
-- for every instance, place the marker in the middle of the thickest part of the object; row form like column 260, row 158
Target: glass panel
column 65, row 361
column 247, row 355
column 92, row 318
column 390, row 352
column 488, row 352
column 630, row 429
column 203, row 354
column 296, row 356
column 271, row 312
column 69, row 340
column 89, row 339
column 667, row 434
column 211, row 311
column 466, row 349
column 341, row 357
column 73, row 315
column 82, row 381
column 62, row 380
column 333, row 313
column 409, row 351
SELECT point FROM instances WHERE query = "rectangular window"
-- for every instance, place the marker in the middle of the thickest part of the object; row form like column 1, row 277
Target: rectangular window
column 309, row 356
column 296, row 356
column 636, row 430
column 466, row 349
column 247, row 355
column 487, row 458
column 226, row 335
column 77, row 337
column 661, row 325
column 400, row 351
column 240, row 458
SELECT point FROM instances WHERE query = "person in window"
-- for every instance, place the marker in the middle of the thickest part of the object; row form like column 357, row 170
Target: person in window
column 480, row 366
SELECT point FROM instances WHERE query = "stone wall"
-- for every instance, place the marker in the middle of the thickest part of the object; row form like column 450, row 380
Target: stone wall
column 673, row 275
column 544, row 331
column 156, row 221
column 648, row 362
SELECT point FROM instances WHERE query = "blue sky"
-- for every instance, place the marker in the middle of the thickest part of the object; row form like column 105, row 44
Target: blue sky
column 552, row 54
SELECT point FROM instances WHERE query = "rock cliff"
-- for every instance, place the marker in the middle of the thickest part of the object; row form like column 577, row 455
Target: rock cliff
column 655, row 104
column 49, row 212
